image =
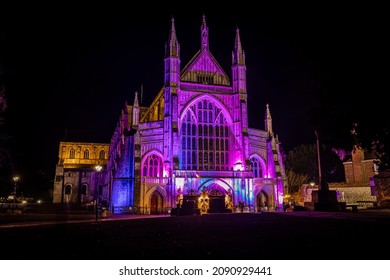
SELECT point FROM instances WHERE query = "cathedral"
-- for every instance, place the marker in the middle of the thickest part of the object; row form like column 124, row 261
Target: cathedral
column 190, row 152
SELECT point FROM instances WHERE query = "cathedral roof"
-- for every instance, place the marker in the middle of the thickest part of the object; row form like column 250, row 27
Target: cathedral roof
column 204, row 62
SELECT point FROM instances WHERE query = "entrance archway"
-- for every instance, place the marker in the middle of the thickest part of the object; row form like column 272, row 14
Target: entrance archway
column 156, row 203
column 262, row 201
column 219, row 199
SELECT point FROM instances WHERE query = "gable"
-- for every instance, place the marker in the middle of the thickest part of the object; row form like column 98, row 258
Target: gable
column 204, row 68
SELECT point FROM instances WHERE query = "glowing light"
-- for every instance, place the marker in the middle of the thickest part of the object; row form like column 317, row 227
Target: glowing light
column 98, row 168
column 238, row 166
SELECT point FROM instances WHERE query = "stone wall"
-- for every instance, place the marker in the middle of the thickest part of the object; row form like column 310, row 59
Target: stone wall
column 358, row 193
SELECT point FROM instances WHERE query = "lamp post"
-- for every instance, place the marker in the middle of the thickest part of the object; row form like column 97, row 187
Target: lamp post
column 98, row 168
column 15, row 179
column 322, row 185
column 319, row 162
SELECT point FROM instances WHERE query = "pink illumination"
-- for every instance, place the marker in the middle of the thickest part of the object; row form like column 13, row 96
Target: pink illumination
column 196, row 137
column 238, row 166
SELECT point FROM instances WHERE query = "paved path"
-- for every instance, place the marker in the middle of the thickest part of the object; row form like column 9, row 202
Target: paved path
column 39, row 219
column 290, row 235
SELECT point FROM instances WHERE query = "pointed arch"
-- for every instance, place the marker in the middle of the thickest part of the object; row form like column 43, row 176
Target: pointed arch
column 155, row 199
column 152, row 164
column 159, row 189
column 205, row 185
column 258, row 166
column 264, row 199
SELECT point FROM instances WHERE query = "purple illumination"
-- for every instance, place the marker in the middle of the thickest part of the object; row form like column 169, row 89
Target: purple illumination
column 193, row 143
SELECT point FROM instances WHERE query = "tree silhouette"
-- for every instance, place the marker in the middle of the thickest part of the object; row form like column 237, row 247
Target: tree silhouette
column 5, row 150
column 302, row 166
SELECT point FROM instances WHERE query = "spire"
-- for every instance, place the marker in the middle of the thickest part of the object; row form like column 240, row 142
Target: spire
column 136, row 104
column 172, row 34
column 135, row 118
column 268, row 120
column 238, row 53
column 172, row 48
column 204, row 34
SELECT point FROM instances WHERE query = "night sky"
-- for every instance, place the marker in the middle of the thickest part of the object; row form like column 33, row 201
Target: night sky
column 69, row 70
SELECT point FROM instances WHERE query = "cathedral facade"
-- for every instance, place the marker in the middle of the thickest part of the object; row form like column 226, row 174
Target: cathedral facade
column 191, row 149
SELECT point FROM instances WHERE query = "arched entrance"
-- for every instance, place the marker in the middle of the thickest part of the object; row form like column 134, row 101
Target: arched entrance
column 156, row 203
column 67, row 193
column 219, row 199
column 262, row 201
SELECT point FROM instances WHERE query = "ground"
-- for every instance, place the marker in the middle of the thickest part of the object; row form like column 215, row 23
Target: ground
column 272, row 235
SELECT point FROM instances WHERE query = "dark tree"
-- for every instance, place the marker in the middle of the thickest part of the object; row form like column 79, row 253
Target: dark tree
column 302, row 166
column 380, row 147
column 5, row 154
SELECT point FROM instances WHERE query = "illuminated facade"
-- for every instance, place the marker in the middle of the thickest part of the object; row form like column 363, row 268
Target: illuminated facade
column 192, row 147
column 193, row 143
column 77, row 179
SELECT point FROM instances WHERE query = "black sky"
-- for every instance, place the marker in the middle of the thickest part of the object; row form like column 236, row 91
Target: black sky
column 71, row 68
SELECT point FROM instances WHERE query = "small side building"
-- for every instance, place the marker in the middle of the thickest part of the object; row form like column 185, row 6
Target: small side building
column 359, row 187
column 79, row 177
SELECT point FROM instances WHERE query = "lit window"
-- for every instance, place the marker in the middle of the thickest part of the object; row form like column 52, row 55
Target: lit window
column 102, row 154
column 256, row 167
column 153, row 166
column 72, row 153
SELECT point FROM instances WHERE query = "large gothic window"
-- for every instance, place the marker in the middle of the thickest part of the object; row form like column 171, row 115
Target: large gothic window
column 205, row 138
column 256, row 168
column 153, row 166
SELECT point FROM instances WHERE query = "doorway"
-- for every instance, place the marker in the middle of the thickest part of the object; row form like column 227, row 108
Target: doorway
column 156, row 203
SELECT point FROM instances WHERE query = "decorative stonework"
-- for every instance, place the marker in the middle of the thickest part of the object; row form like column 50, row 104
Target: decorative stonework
column 194, row 138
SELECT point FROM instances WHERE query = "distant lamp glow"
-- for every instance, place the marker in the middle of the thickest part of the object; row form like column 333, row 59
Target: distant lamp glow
column 16, row 180
column 312, row 184
column 98, row 168
column 238, row 166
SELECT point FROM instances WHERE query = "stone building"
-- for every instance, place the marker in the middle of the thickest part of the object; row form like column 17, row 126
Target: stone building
column 192, row 147
column 80, row 175
column 358, row 188
column 359, row 169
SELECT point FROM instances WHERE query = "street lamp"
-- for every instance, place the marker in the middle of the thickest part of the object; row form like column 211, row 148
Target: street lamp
column 15, row 179
column 98, row 168
column 319, row 162
column 322, row 185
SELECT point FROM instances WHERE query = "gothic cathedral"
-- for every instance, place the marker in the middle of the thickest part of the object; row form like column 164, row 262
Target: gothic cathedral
column 190, row 152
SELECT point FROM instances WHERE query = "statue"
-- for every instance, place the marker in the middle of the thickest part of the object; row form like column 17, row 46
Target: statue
column 203, row 202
